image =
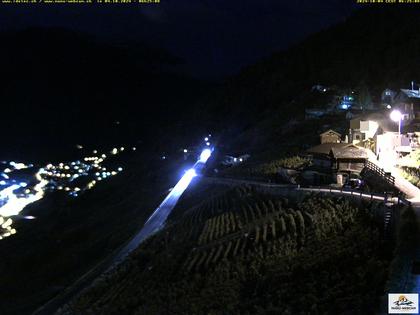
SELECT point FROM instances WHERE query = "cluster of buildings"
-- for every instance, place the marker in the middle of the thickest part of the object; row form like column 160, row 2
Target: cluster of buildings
column 335, row 100
column 22, row 184
column 76, row 176
column 389, row 139
column 406, row 100
column 334, row 158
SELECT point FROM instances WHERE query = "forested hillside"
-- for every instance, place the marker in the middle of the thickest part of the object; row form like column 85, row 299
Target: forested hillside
column 377, row 47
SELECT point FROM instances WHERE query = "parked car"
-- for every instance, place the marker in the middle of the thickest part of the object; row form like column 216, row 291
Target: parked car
column 354, row 183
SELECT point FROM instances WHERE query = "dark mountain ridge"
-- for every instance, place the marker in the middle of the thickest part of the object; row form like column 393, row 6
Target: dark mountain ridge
column 62, row 87
column 377, row 46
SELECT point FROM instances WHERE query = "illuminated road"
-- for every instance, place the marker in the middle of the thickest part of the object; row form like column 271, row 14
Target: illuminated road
column 158, row 218
column 13, row 204
column 412, row 192
column 288, row 187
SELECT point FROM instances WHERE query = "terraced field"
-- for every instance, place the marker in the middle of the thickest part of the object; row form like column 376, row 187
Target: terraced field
column 243, row 252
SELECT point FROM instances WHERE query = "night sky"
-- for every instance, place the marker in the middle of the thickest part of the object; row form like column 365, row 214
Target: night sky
column 212, row 37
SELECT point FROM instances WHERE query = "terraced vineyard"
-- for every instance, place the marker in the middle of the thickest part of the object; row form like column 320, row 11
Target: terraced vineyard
column 412, row 174
column 242, row 252
column 267, row 169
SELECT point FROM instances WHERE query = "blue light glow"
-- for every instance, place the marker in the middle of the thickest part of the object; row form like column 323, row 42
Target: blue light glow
column 205, row 155
column 191, row 173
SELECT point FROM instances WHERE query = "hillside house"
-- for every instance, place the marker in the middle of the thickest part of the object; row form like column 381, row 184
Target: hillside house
column 330, row 136
column 338, row 157
column 362, row 129
column 320, row 88
column 388, row 96
column 390, row 145
column 408, row 102
column 414, row 139
column 346, row 102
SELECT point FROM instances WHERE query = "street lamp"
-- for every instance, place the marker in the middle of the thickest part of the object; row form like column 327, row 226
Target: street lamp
column 396, row 116
column 204, row 156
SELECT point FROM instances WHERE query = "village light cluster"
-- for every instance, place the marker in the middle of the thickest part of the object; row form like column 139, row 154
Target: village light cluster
column 12, row 166
column 13, row 199
column 64, row 176
column 71, row 177
column 6, row 228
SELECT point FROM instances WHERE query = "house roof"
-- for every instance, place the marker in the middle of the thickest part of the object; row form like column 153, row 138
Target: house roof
column 330, row 131
column 349, row 152
column 339, row 150
column 411, row 93
column 325, row 148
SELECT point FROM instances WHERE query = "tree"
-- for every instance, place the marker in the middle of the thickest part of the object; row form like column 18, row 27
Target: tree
column 363, row 96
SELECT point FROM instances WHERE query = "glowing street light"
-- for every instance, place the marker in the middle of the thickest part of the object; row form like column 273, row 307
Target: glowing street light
column 204, row 156
column 396, row 116
column 191, row 173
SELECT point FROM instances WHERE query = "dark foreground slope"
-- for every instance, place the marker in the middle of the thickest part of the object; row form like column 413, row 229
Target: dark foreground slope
column 245, row 252
column 71, row 235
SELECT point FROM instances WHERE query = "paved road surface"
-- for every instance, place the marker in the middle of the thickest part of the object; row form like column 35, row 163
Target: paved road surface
column 412, row 192
column 354, row 193
column 157, row 220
